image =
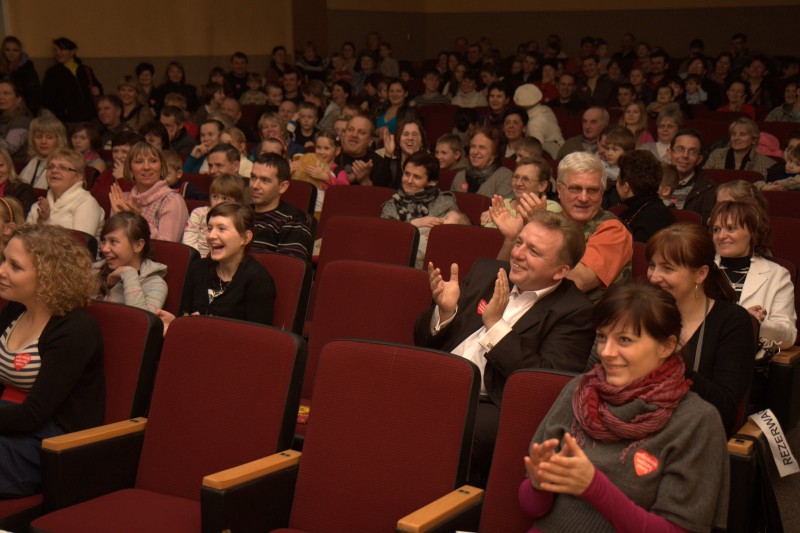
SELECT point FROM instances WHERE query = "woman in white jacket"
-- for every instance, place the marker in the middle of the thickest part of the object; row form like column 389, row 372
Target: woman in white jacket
column 67, row 203
column 740, row 231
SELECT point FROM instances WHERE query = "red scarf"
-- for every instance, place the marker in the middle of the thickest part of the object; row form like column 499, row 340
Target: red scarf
column 663, row 388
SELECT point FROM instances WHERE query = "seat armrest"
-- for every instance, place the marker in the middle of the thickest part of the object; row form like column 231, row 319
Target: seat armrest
column 231, row 477
column 256, row 496
column 426, row 518
column 80, row 466
column 787, row 356
column 744, row 446
column 94, row 435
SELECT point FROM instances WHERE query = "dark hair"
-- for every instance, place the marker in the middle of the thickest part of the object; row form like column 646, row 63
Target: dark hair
column 91, row 130
column 277, row 162
column 230, row 151
column 473, row 75
column 145, row 66
column 228, row 185
column 398, row 131
column 745, row 213
column 500, row 86
column 172, row 111
column 220, row 126
column 643, row 307
column 276, row 49
column 641, row 171
column 176, row 64
column 689, row 133
column 154, row 127
column 239, row 55
column 690, row 245
column 127, row 137
column 427, row 161
column 136, row 229
column 659, row 53
column 516, row 110
column 464, row 117
column 242, row 216
column 65, row 44
column 345, row 85
column 209, row 90
column 112, row 99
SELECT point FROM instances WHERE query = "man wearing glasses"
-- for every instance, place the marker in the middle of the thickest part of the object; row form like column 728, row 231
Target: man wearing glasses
column 695, row 191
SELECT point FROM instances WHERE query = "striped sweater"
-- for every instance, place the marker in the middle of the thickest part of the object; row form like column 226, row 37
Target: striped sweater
column 284, row 230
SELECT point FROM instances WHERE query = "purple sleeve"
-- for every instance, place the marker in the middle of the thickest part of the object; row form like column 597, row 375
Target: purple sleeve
column 534, row 503
column 624, row 515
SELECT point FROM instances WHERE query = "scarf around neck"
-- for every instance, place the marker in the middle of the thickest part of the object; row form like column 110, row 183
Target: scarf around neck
column 730, row 160
column 650, row 400
column 476, row 177
column 411, row 206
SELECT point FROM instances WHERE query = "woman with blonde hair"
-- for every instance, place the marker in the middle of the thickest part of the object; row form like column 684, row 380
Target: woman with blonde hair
column 151, row 196
column 741, row 153
column 46, row 134
column 10, row 184
column 51, row 350
column 11, row 216
column 134, row 113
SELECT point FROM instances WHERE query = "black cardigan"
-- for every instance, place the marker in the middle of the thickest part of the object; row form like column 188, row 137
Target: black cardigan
column 250, row 295
column 70, row 387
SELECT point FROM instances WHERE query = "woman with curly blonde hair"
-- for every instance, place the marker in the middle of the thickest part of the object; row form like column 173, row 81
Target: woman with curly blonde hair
column 51, row 350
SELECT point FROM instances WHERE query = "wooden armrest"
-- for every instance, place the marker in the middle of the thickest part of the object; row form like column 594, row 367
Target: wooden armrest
column 787, row 356
column 252, row 470
column 98, row 434
column 438, row 510
column 742, row 446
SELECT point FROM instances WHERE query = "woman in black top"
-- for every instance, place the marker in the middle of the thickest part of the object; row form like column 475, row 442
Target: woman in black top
column 51, row 350
column 227, row 283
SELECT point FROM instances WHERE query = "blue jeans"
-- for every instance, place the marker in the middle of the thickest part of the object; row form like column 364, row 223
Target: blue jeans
column 20, row 459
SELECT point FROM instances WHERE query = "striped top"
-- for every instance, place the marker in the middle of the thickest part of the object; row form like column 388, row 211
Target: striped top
column 21, row 367
column 284, row 230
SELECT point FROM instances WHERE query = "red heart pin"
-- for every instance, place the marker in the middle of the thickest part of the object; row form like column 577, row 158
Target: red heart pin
column 20, row 360
column 481, row 307
column 644, row 463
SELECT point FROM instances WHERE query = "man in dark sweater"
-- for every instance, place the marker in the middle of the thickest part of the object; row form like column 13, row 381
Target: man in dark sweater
column 279, row 227
column 363, row 165
column 237, row 77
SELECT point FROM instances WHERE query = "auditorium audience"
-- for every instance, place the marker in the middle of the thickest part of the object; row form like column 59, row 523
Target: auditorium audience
column 18, row 67
column 52, row 350
column 175, row 82
column 70, row 87
column 542, row 122
column 85, row 139
column 224, row 188
column 594, row 120
column 637, row 185
column 604, row 456
column 695, row 191
column 531, row 177
column 126, row 274
column 668, row 123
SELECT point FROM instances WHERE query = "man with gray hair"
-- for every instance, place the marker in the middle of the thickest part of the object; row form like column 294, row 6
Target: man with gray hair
column 594, row 120
column 609, row 244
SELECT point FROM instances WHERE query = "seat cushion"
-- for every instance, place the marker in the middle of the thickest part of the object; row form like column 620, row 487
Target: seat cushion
column 125, row 511
column 17, row 505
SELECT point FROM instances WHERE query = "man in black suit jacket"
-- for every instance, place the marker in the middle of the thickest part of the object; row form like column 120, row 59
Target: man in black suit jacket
column 539, row 320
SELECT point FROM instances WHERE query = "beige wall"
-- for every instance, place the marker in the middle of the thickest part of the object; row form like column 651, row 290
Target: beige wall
column 113, row 35
column 514, row 6
column 420, row 35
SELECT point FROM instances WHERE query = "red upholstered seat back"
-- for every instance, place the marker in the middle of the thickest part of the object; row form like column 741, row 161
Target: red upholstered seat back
column 201, row 181
column 472, row 205
column 782, row 203
column 226, row 393
column 366, row 301
column 438, row 119
column 452, row 243
column 347, row 200
column 690, row 217
column 132, row 341
column 527, row 398
column 177, row 257
column 292, row 277
column 724, row 175
column 390, row 431
column 301, row 195
column 639, row 261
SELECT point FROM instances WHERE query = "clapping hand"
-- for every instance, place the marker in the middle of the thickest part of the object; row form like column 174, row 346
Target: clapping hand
column 494, row 310
column 567, row 472
column 445, row 293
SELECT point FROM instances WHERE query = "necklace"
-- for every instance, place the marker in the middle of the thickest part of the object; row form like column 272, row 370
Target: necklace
column 739, row 281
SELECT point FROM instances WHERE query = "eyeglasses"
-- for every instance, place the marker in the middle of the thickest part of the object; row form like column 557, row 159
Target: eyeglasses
column 60, row 168
column 577, row 190
column 680, row 150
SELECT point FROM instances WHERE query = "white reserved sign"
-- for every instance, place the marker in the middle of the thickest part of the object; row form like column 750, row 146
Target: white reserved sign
column 781, row 453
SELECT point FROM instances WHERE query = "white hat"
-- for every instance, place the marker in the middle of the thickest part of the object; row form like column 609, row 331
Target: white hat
column 527, row 95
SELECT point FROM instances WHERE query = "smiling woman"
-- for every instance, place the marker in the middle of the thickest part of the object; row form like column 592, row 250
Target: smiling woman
column 228, row 283
column 588, row 452
column 741, row 153
column 151, row 197
column 67, row 203
column 484, row 174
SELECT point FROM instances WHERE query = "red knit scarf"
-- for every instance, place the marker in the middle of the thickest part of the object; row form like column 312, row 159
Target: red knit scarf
column 664, row 388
